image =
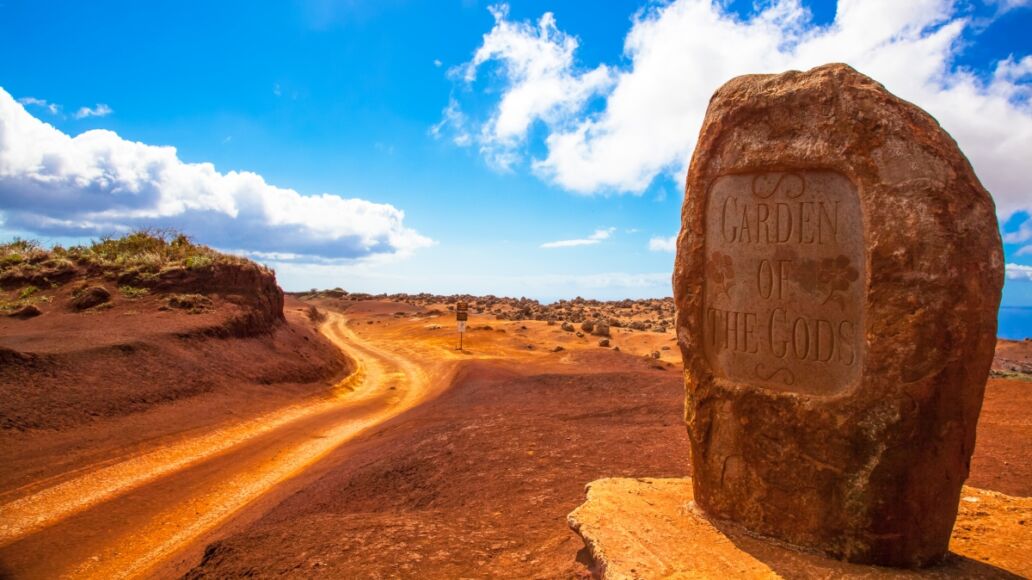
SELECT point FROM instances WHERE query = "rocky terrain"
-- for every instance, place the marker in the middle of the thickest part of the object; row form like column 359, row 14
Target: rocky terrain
column 654, row 314
column 1013, row 359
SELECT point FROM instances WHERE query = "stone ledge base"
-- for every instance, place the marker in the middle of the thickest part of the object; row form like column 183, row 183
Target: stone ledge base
column 648, row 528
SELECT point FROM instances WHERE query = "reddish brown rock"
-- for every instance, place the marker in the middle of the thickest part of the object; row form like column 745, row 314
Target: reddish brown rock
column 837, row 281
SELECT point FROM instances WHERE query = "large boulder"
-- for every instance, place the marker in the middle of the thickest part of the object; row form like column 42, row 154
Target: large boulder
column 837, row 281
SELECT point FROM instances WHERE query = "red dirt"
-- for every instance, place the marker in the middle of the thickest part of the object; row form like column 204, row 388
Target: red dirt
column 476, row 482
column 78, row 387
column 479, row 481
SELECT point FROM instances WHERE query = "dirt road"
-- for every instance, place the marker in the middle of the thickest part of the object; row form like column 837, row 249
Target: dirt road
column 131, row 517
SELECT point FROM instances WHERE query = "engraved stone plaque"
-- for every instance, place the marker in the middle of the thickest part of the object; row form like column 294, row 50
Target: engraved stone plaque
column 837, row 280
column 783, row 295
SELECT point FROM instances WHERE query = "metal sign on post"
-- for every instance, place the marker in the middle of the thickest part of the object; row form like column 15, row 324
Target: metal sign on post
column 461, row 316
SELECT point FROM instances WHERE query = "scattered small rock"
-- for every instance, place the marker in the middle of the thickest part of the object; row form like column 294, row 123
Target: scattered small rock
column 604, row 342
column 558, row 349
column 567, row 327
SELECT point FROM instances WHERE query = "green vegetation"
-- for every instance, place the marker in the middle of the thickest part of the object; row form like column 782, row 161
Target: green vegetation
column 198, row 262
column 138, row 263
column 149, row 251
column 21, row 298
column 192, row 303
column 20, row 252
column 142, row 254
column 133, row 292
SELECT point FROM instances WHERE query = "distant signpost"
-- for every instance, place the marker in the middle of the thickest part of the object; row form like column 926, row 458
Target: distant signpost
column 461, row 316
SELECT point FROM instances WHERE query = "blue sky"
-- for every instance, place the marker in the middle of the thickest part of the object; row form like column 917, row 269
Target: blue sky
column 445, row 146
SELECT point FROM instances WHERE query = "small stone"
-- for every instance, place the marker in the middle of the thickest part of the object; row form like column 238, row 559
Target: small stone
column 604, row 342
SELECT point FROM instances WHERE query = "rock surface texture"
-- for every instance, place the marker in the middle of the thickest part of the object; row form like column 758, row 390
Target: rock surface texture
column 837, row 281
column 650, row 528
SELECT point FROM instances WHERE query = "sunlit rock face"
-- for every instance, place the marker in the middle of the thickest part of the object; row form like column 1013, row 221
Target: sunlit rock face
column 837, row 280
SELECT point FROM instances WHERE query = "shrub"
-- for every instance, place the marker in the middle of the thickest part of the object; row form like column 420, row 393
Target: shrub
column 198, row 262
column 133, row 292
column 315, row 315
column 20, row 251
column 26, row 292
column 143, row 254
column 194, row 303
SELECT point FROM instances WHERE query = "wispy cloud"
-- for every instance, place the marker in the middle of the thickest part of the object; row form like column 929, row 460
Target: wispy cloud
column 1019, row 272
column 52, row 108
column 101, row 110
column 661, row 244
column 595, row 238
column 453, row 122
column 98, row 183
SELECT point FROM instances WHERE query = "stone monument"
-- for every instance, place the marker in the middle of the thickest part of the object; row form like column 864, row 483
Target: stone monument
column 837, row 281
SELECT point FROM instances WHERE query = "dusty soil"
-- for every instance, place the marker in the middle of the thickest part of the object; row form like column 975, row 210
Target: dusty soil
column 78, row 387
column 479, row 481
column 68, row 367
column 424, row 460
column 101, row 400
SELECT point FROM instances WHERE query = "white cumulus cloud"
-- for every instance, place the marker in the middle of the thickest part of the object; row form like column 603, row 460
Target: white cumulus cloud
column 677, row 54
column 661, row 244
column 596, row 237
column 537, row 62
column 99, row 183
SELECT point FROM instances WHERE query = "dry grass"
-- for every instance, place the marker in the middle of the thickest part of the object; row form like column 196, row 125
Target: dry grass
column 12, row 301
column 145, row 253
